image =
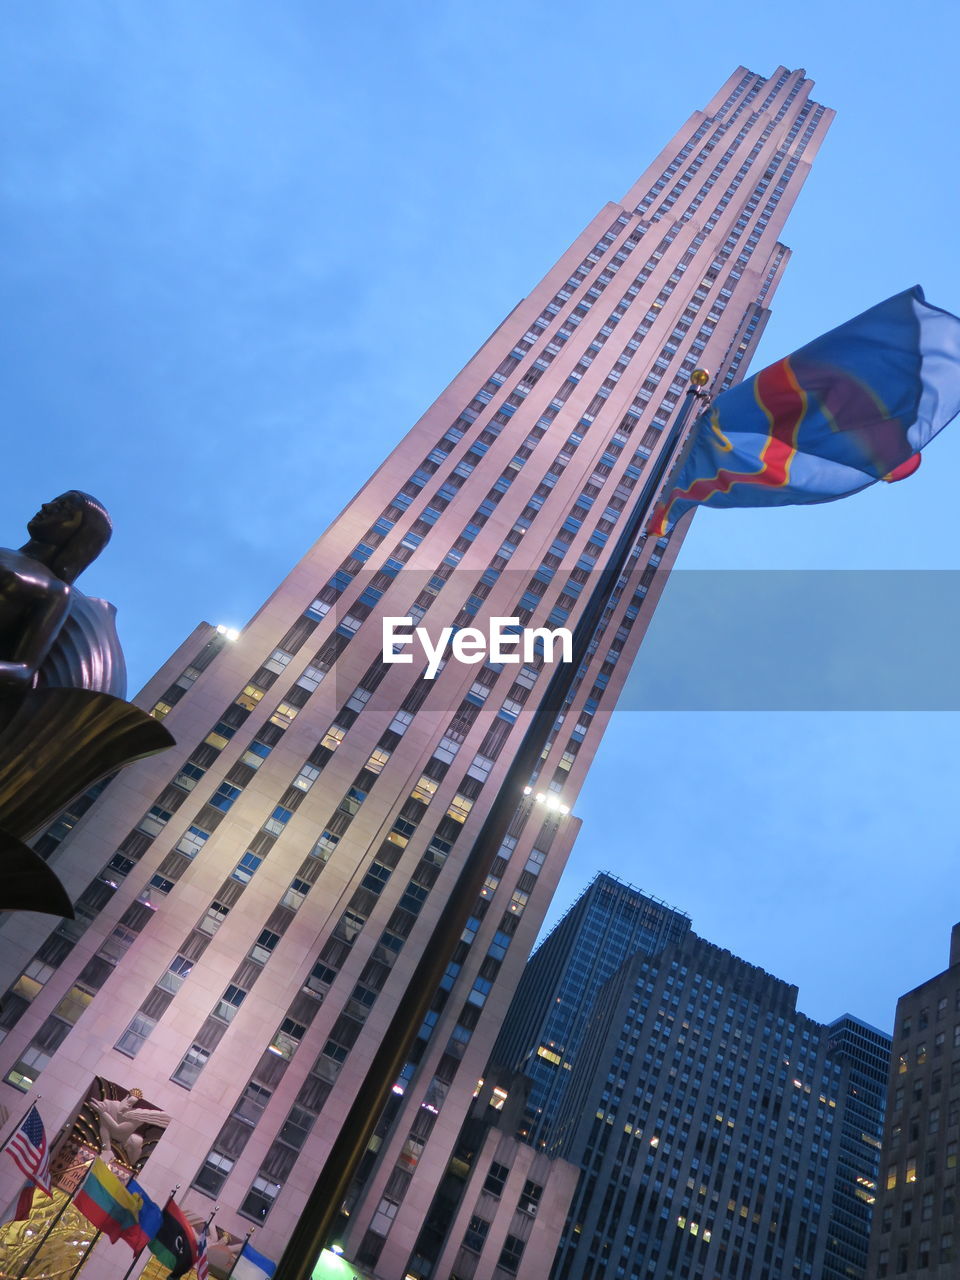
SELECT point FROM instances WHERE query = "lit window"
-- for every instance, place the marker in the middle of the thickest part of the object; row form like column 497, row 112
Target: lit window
column 424, row 790
column 378, row 758
column 518, row 901
column 460, row 808
column 333, row 737
column 284, row 715
column 306, row 777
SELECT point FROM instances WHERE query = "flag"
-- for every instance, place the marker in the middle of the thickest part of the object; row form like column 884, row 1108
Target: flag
column 109, row 1205
column 174, row 1244
column 252, row 1265
column 846, row 410
column 24, row 1206
column 202, row 1265
column 149, row 1218
column 27, row 1148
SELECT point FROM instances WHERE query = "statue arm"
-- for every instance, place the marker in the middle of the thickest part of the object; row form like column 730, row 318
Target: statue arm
column 46, row 618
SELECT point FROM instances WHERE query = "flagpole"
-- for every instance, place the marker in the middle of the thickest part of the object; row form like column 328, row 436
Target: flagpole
column 20, row 1121
column 246, row 1241
column 323, row 1204
column 6, row 1142
column 86, row 1254
column 43, row 1239
column 136, row 1258
column 144, row 1249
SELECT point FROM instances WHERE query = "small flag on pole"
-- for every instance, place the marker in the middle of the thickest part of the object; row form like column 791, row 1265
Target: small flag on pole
column 174, row 1245
column 850, row 408
column 27, row 1148
column 202, row 1265
column 252, row 1265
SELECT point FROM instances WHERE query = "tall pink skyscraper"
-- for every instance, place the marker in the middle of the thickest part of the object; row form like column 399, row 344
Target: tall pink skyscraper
column 250, row 904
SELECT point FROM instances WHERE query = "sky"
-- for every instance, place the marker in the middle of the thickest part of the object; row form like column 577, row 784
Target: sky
column 239, row 238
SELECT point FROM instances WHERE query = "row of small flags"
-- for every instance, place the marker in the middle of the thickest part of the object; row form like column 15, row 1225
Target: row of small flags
column 125, row 1212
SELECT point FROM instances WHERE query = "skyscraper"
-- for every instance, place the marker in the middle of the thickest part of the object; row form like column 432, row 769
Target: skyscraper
column 915, row 1223
column 250, row 904
column 548, row 1017
column 865, row 1053
column 719, row 1132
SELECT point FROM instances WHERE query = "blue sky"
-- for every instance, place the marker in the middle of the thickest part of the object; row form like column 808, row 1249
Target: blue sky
column 240, row 237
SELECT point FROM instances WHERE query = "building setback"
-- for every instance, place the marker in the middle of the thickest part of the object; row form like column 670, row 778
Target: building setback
column 548, row 1016
column 250, row 904
column 915, row 1226
column 719, row 1133
column 708, row 1118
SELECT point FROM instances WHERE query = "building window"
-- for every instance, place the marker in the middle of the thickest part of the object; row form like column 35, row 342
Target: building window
column 496, row 1179
column 132, row 1040
column 192, row 1063
column 510, row 1254
column 259, row 1199
column 383, row 1218
column 177, row 972
column 229, row 1003
column 251, row 1103
column 213, row 1174
column 530, row 1198
column 245, row 868
column 475, row 1235
column 214, row 918
column 294, row 896
column 262, row 949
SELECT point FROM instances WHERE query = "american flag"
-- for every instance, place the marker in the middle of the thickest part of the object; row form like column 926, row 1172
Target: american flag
column 27, row 1148
column 201, row 1265
column 28, row 1151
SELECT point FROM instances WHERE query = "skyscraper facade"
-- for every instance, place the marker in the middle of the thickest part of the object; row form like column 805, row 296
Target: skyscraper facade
column 915, row 1228
column 719, row 1132
column 250, row 904
column 865, row 1053
column 548, row 1017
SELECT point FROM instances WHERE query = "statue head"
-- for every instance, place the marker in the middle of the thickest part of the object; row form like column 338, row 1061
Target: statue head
column 74, row 528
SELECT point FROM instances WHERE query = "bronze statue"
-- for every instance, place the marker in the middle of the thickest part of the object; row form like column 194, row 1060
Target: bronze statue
column 63, row 722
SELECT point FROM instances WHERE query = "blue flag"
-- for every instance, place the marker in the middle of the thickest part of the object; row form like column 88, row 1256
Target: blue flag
column 846, row 410
column 149, row 1217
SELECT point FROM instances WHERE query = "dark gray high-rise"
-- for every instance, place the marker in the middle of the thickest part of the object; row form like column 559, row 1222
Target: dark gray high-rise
column 609, row 922
column 866, row 1053
column 720, row 1133
column 915, row 1224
